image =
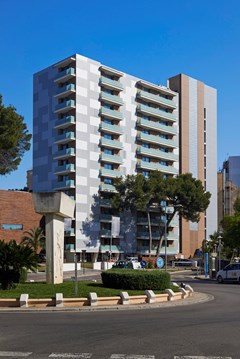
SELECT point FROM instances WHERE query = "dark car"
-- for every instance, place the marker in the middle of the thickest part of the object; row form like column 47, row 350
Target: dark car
column 182, row 262
column 123, row 264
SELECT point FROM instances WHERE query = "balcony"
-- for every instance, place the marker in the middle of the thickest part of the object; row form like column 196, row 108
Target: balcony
column 63, row 185
column 111, row 158
column 65, row 137
column 145, row 235
column 156, row 99
column 66, row 74
column 105, row 218
column 144, row 221
column 65, row 153
column 111, row 143
column 111, row 84
column 110, row 173
column 106, row 127
column 108, row 113
column 156, row 126
column 65, row 90
column 107, row 188
column 105, row 202
column 157, row 140
column 69, row 232
column 112, row 248
column 70, row 167
column 151, row 152
column 156, row 166
column 65, row 106
column 155, row 112
column 65, row 122
column 110, row 98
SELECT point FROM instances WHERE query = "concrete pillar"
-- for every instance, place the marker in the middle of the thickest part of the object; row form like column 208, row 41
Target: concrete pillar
column 55, row 206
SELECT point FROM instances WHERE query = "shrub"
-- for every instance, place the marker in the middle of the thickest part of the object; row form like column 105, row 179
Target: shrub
column 136, row 279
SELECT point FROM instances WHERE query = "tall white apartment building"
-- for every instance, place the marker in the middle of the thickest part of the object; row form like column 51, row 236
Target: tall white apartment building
column 92, row 124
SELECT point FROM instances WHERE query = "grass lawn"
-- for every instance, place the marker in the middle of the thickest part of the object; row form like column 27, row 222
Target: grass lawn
column 43, row 290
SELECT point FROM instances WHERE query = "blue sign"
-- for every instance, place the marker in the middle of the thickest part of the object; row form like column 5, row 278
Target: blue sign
column 143, row 264
column 160, row 262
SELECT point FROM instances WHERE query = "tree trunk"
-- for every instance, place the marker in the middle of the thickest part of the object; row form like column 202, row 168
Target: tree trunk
column 162, row 232
column 150, row 233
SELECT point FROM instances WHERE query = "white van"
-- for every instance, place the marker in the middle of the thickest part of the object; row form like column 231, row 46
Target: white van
column 230, row 273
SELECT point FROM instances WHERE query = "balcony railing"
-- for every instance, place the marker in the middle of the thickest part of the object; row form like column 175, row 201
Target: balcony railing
column 107, row 112
column 65, row 153
column 157, row 140
column 65, row 89
column 106, row 127
column 156, row 99
column 156, row 166
column 110, row 173
column 111, row 158
column 65, row 121
column 65, row 137
column 156, row 126
column 107, row 188
column 65, row 184
column 156, row 112
column 111, row 143
column 110, row 98
column 67, row 73
column 151, row 152
column 104, row 81
column 65, row 106
column 70, row 167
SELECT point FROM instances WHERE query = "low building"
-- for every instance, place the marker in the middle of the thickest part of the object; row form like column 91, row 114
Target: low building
column 17, row 215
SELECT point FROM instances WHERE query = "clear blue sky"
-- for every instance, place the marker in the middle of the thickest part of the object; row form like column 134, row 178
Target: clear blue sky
column 153, row 40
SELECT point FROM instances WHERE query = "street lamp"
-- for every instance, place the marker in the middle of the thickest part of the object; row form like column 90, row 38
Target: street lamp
column 219, row 251
column 165, row 237
column 83, row 260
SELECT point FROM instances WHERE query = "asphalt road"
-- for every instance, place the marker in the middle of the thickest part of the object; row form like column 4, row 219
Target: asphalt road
column 207, row 330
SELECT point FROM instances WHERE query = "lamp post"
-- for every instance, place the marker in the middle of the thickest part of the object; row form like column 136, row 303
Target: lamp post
column 219, row 251
column 83, row 260
column 75, row 279
column 165, row 237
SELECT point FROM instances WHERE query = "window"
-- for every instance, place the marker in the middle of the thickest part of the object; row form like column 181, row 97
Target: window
column 163, row 163
column 12, row 226
column 205, row 112
column 145, row 145
column 108, row 181
column 106, row 120
column 146, row 159
column 107, row 136
column 107, row 151
column 108, row 166
column 145, row 174
column 146, row 132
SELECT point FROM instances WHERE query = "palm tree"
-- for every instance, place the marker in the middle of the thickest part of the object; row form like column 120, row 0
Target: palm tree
column 14, row 258
column 34, row 238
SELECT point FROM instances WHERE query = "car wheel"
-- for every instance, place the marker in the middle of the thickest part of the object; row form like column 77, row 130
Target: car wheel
column 220, row 279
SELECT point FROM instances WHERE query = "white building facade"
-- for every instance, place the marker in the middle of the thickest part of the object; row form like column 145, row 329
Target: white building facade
column 92, row 124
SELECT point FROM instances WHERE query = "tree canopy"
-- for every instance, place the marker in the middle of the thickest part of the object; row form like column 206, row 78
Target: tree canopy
column 183, row 193
column 14, row 139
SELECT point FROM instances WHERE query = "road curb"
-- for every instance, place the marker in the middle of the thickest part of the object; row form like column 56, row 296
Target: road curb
column 196, row 298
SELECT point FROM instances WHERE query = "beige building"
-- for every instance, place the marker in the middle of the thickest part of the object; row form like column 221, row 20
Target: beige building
column 197, row 152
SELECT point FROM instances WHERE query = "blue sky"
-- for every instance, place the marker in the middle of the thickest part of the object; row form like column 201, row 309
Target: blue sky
column 153, row 40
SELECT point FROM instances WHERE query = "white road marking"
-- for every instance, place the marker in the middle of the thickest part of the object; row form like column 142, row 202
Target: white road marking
column 131, row 356
column 71, row 355
column 14, row 354
column 200, row 357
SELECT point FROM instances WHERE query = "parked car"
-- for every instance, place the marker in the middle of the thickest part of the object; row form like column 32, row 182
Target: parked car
column 230, row 273
column 182, row 262
column 127, row 264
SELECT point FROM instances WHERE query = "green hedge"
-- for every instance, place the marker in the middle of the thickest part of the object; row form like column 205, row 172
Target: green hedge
column 136, row 279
